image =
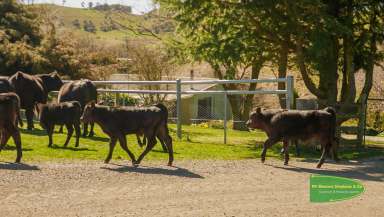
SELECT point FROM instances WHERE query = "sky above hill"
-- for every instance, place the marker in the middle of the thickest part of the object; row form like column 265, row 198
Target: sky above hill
column 138, row 6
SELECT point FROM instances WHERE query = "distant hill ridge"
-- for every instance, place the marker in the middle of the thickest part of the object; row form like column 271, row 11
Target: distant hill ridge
column 107, row 21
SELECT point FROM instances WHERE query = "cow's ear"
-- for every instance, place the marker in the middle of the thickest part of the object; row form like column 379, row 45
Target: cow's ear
column 258, row 110
column 93, row 104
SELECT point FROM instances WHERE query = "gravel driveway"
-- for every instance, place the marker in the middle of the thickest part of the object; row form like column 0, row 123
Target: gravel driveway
column 193, row 188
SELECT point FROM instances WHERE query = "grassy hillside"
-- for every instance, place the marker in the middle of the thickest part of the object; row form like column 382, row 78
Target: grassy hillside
column 123, row 22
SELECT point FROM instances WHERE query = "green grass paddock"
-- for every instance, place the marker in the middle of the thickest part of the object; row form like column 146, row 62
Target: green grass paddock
column 197, row 143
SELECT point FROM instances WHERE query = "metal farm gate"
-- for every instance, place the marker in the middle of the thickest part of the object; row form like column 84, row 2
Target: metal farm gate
column 175, row 89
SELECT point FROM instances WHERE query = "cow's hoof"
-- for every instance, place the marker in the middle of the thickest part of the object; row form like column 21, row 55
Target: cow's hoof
column 262, row 160
column 106, row 161
column 318, row 166
column 170, row 164
column 286, row 163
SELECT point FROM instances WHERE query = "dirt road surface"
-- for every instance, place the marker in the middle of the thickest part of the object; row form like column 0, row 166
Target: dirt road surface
column 191, row 188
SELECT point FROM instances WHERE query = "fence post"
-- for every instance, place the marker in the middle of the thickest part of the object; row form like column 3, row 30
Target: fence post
column 117, row 99
column 178, row 107
column 225, row 117
column 289, row 95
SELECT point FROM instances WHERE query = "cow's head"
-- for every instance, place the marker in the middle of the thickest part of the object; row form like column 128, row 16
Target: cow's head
column 52, row 81
column 88, row 116
column 256, row 119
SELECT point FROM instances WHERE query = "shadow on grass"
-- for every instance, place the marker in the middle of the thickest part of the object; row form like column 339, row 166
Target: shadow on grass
column 35, row 132
column 369, row 170
column 161, row 151
column 13, row 148
column 97, row 138
column 71, row 148
column 173, row 171
column 17, row 166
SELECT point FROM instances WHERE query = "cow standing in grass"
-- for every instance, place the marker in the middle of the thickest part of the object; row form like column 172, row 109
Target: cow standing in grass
column 144, row 142
column 9, row 115
column 66, row 113
column 297, row 125
column 83, row 91
column 5, row 86
column 34, row 89
column 118, row 122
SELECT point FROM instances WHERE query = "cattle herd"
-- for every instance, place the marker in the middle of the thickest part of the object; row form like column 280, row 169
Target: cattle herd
column 77, row 102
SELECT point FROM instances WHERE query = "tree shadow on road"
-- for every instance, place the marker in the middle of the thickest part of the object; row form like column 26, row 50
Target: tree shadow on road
column 17, row 166
column 369, row 170
column 173, row 171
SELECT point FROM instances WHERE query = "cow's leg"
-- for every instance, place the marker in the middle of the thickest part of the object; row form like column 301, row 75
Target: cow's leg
column 163, row 145
column 325, row 152
column 112, row 144
column 85, row 130
column 144, row 140
column 50, row 129
column 268, row 143
column 17, row 141
column 91, row 132
column 4, row 139
column 166, row 140
column 69, row 133
column 335, row 145
column 151, row 143
column 123, row 144
column 77, row 131
column 20, row 121
column 29, row 116
column 286, row 151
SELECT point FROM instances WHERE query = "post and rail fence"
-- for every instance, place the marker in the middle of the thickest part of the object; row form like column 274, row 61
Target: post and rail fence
column 178, row 92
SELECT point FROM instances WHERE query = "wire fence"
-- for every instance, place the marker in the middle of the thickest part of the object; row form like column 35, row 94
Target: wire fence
column 189, row 102
column 375, row 116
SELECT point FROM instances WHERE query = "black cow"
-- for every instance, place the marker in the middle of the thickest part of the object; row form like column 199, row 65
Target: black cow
column 66, row 113
column 297, row 125
column 118, row 122
column 144, row 142
column 5, row 85
column 33, row 89
column 9, row 114
column 83, row 91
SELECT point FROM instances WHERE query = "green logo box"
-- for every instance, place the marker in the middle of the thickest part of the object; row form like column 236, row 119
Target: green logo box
column 332, row 188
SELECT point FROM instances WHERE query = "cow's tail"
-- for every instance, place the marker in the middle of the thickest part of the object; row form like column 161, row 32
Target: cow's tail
column 164, row 112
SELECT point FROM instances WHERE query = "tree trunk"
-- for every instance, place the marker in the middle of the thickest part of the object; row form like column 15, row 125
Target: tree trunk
column 283, row 63
column 348, row 90
column 241, row 106
column 371, row 60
